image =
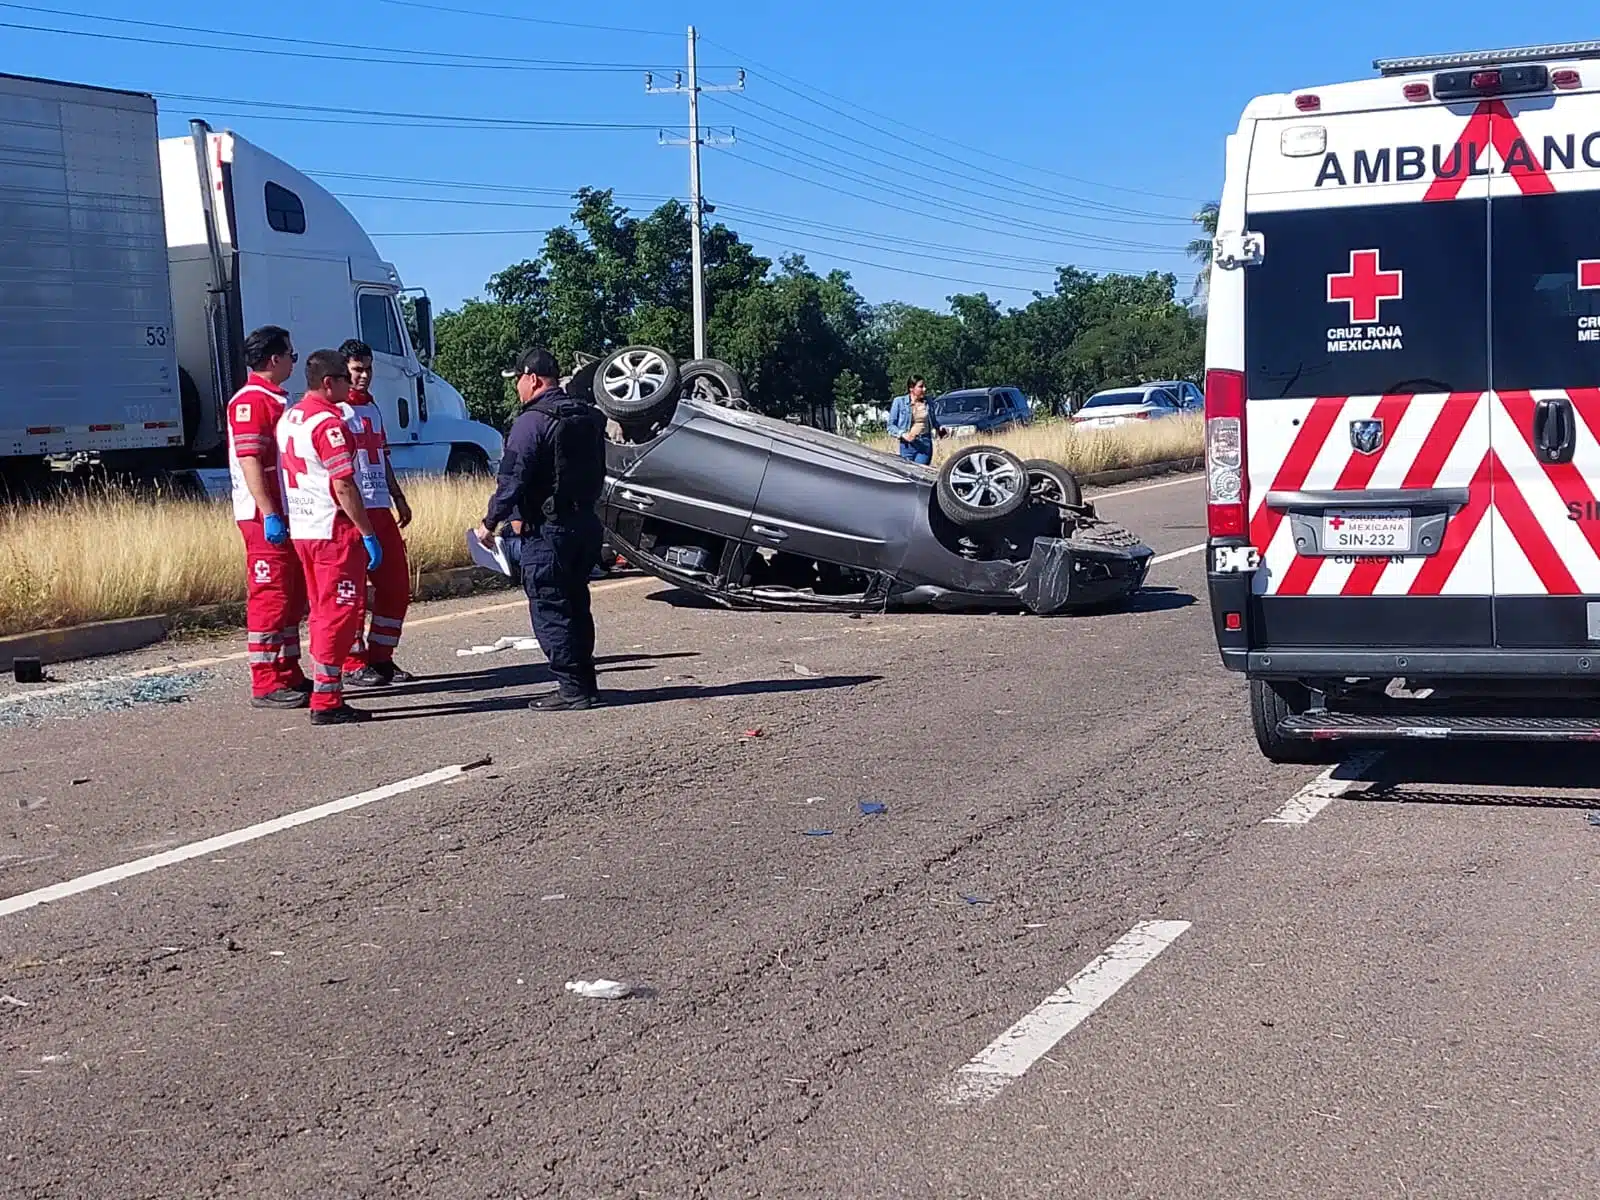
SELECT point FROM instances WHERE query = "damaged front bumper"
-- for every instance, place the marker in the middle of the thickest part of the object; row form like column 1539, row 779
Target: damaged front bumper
column 1063, row 574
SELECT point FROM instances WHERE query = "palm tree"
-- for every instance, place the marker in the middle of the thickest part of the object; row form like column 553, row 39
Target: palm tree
column 1199, row 249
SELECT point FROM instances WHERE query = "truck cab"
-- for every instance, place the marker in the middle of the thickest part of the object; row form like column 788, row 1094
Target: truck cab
column 251, row 241
column 1403, row 404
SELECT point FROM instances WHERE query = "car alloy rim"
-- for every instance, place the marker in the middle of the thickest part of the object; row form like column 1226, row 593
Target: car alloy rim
column 1045, row 487
column 636, row 375
column 984, row 480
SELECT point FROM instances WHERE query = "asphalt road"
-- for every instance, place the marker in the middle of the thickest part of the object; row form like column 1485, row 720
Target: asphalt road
column 1375, row 985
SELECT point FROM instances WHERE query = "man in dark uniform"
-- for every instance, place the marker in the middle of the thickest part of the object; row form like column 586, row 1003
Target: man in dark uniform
column 550, row 479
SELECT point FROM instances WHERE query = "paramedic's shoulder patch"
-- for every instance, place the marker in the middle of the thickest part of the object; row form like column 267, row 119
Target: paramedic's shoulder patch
column 241, row 411
column 335, row 436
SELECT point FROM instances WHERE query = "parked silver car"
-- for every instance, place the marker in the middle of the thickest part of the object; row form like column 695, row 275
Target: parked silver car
column 1146, row 402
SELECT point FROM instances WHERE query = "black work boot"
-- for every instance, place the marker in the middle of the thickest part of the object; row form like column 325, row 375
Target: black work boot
column 370, row 676
column 564, row 702
column 282, row 698
column 343, row 715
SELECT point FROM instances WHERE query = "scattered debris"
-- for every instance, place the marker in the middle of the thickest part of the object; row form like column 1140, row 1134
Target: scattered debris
column 276, row 953
column 802, row 669
column 977, row 899
column 819, row 833
column 1594, row 818
column 753, row 733
column 13, row 1002
column 600, row 989
column 554, row 896
column 81, row 782
column 815, row 799
column 871, row 808
column 112, row 695
column 505, row 643
column 27, row 670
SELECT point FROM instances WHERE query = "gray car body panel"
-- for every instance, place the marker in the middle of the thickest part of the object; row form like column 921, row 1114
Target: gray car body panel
column 758, row 483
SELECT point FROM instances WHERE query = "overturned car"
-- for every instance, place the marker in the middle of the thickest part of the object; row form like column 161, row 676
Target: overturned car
column 755, row 512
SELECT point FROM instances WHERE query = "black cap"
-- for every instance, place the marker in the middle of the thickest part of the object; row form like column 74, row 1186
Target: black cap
column 537, row 361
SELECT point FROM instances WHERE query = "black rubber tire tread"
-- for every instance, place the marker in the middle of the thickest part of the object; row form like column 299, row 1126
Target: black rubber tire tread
column 1270, row 702
column 1105, row 534
column 658, row 406
column 959, row 513
column 466, row 460
column 732, row 382
column 1065, row 479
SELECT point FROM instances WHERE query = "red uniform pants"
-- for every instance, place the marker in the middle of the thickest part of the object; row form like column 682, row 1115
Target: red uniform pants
column 391, row 595
column 336, row 582
column 275, row 604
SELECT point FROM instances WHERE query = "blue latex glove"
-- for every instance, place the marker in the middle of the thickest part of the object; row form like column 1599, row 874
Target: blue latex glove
column 374, row 551
column 275, row 528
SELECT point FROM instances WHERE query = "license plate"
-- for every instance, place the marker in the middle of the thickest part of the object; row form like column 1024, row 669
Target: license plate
column 1367, row 531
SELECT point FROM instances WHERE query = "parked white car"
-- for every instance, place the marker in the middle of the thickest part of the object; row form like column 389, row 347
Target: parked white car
column 1146, row 402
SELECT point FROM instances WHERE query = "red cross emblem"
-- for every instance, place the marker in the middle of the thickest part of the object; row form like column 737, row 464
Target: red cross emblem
column 368, row 438
column 1365, row 287
column 1589, row 274
column 293, row 466
column 1335, row 522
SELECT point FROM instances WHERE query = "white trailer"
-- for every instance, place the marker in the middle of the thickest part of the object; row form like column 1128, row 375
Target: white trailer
column 132, row 267
column 88, row 363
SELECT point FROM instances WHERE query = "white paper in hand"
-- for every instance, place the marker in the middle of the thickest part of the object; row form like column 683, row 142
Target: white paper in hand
column 493, row 560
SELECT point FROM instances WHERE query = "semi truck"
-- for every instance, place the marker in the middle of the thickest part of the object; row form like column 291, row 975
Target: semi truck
column 132, row 267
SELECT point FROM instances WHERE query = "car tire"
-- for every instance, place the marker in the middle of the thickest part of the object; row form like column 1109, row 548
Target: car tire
column 980, row 485
column 636, row 385
column 1051, row 482
column 1270, row 702
column 713, row 380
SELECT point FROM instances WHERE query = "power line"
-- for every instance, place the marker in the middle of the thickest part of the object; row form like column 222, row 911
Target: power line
column 774, row 76
column 1093, row 240
column 475, row 12
column 458, row 122
column 278, row 50
column 1105, row 212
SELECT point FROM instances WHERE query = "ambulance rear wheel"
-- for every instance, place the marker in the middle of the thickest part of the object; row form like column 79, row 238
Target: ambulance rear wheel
column 1270, row 702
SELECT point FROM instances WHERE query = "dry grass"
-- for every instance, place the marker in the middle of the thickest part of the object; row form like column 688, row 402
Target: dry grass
column 110, row 553
column 1085, row 451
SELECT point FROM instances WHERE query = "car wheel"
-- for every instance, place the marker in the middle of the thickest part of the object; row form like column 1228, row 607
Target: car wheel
column 712, row 380
column 636, row 384
column 979, row 485
column 1051, row 483
column 1270, row 702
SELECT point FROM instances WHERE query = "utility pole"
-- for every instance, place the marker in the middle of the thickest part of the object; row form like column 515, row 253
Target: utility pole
column 697, row 205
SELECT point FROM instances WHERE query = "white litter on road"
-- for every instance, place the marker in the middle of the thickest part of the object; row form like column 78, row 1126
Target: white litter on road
column 142, row 866
column 600, row 989
column 1323, row 791
column 505, row 643
column 1030, row 1039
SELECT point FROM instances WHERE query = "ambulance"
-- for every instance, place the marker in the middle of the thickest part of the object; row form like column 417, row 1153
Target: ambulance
column 1403, row 404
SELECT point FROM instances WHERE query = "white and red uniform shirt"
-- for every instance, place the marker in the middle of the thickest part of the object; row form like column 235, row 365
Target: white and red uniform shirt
column 365, row 423
column 314, row 449
column 253, row 416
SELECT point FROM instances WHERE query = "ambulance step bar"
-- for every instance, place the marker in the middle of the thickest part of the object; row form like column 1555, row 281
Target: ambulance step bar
column 1325, row 726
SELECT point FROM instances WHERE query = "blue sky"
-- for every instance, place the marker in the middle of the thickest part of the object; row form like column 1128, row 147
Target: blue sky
column 928, row 148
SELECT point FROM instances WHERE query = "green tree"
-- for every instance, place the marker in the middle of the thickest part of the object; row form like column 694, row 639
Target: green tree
column 1200, row 248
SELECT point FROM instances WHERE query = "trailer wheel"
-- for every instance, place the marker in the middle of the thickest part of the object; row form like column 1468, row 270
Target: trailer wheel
column 1270, row 702
column 467, row 460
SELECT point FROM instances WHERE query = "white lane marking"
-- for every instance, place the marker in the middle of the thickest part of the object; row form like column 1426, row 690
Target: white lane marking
column 1184, row 553
column 142, row 866
column 1323, row 791
column 1150, row 487
column 1018, row 1048
column 67, row 689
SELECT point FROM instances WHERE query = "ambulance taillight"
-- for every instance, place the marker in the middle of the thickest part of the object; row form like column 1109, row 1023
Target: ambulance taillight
column 1225, row 484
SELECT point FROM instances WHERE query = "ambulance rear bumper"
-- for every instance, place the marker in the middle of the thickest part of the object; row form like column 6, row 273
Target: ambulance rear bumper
column 1417, row 664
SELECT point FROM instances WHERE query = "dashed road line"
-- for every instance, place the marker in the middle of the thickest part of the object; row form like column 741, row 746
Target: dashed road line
column 1323, row 791
column 1150, row 487
column 1184, row 553
column 154, row 862
column 1010, row 1055
column 195, row 664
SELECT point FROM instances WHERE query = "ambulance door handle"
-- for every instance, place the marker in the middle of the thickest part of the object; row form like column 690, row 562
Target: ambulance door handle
column 1555, row 430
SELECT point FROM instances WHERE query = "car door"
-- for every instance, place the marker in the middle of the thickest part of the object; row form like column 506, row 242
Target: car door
column 1366, row 416
column 392, row 387
column 831, row 500
column 1545, row 320
column 703, row 474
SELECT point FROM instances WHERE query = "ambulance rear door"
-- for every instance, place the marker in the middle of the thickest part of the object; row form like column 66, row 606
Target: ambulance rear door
column 1545, row 367
column 1367, row 419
